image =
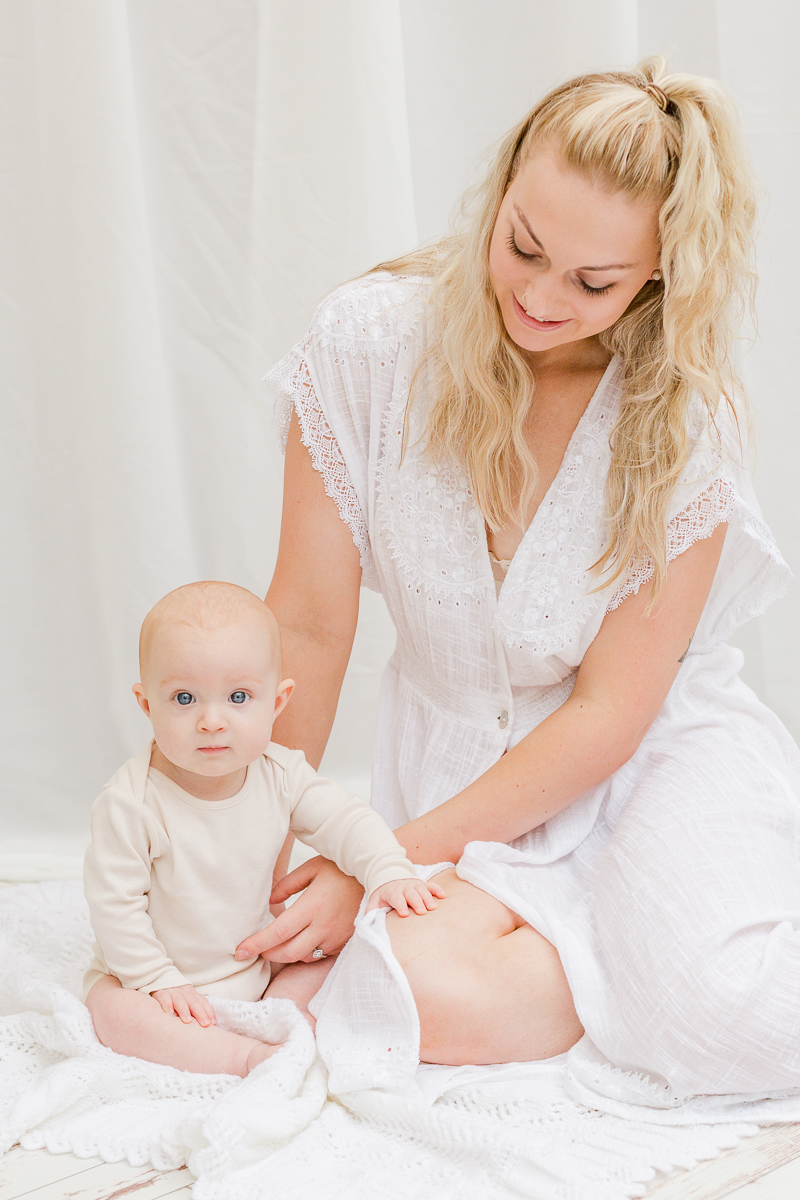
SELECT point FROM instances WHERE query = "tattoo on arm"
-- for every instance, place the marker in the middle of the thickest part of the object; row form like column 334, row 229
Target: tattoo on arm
column 686, row 651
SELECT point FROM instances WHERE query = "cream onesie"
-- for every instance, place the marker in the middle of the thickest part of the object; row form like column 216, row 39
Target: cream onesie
column 174, row 883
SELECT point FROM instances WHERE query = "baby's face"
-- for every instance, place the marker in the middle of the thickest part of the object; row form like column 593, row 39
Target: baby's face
column 212, row 695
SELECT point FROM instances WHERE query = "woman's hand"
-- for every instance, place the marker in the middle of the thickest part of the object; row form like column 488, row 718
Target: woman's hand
column 321, row 919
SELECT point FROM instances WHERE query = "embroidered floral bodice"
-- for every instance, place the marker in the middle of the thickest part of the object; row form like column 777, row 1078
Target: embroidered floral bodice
column 480, row 664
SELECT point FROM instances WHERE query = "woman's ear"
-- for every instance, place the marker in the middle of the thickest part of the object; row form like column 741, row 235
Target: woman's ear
column 144, row 703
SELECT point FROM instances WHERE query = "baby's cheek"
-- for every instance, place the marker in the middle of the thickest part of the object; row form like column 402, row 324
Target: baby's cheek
column 175, row 744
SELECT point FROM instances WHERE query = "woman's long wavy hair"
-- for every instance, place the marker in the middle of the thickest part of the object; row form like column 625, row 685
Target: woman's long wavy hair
column 674, row 340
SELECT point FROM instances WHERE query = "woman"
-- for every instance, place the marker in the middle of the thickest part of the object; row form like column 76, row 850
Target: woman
column 530, row 440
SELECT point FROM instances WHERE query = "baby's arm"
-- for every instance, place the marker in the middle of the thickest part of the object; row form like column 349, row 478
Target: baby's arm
column 116, row 881
column 346, row 830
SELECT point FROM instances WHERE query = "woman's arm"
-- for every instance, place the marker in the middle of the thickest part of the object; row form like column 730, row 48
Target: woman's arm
column 622, row 683
column 620, row 687
column 314, row 596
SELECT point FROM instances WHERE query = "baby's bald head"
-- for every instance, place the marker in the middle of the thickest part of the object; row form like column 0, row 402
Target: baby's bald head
column 204, row 607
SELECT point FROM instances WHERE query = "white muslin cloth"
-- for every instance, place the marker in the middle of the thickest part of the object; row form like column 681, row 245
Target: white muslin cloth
column 672, row 890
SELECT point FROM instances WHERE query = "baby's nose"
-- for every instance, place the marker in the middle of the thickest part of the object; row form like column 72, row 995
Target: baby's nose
column 212, row 718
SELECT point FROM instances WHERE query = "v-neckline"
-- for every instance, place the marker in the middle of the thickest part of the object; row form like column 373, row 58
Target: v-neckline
column 528, row 535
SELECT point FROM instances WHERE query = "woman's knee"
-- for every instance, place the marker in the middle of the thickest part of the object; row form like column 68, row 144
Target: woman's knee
column 726, row 1021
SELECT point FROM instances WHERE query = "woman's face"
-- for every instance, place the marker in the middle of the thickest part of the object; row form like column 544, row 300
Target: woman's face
column 569, row 253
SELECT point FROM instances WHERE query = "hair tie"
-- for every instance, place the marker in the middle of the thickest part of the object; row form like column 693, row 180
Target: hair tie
column 658, row 94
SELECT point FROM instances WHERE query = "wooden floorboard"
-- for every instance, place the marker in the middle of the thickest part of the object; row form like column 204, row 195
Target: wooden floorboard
column 37, row 1175
column 735, row 1170
column 783, row 1184
column 19, row 1167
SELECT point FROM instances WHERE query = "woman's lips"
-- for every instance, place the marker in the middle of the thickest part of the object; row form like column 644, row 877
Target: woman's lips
column 532, row 323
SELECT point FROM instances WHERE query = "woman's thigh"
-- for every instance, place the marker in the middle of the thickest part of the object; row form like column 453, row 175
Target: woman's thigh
column 488, row 987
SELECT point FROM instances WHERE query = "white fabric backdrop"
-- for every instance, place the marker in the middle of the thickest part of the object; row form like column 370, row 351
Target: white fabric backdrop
column 181, row 181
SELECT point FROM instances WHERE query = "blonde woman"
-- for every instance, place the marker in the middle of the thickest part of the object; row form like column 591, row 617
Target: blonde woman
column 531, row 440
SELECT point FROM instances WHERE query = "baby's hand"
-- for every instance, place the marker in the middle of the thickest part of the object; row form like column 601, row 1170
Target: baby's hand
column 186, row 1003
column 405, row 894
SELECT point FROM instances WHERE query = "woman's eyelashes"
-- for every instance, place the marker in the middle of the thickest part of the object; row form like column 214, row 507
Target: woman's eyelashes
column 594, row 291
column 514, row 248
column 590, row 291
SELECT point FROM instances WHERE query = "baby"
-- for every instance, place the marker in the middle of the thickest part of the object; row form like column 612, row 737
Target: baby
column 186, row 835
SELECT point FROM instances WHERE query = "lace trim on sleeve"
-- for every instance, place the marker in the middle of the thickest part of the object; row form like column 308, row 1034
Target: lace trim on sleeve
column 697, row 521
column 326, row 457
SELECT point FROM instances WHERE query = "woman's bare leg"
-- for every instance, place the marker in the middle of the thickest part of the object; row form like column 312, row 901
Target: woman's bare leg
column 135, row 1024
column 488, row 987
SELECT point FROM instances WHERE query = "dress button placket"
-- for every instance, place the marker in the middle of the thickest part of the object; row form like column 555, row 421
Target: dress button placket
column 505, row 714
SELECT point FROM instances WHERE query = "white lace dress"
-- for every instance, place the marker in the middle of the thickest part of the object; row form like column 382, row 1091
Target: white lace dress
column 671, row 890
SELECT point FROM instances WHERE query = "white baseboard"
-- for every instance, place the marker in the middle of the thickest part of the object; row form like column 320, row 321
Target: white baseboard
column 34, row 867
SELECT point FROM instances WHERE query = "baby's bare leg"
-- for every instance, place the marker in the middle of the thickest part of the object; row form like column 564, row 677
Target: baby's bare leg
column 300, row 982
column 135, row 1024
column 488, row 987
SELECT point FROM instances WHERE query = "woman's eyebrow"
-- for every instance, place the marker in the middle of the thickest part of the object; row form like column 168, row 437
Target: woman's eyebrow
column 524, row 220
column 607, row 267
column 610, row 267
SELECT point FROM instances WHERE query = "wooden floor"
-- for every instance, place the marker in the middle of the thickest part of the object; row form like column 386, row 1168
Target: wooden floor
column 766, row 1167
column 42, row 1176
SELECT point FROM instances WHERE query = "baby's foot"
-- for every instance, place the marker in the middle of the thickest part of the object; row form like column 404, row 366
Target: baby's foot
column 259, row 1053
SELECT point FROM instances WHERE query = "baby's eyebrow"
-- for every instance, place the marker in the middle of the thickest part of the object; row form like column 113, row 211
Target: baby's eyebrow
column 231, row 685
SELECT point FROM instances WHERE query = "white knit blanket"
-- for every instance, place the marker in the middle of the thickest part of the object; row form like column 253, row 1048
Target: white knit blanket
column 465, row 1134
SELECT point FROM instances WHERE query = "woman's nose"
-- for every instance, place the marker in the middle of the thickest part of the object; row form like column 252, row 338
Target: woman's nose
column 543, row 300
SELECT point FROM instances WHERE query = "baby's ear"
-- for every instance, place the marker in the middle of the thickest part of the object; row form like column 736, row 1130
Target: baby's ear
column 285, row 689
column 144, row 703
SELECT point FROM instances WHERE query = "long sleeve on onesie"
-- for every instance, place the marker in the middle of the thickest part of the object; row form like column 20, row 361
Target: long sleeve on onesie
column 174, row 883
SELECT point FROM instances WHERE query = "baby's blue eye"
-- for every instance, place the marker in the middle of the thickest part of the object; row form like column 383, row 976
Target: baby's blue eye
column 238, row 697
column 184, row 697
